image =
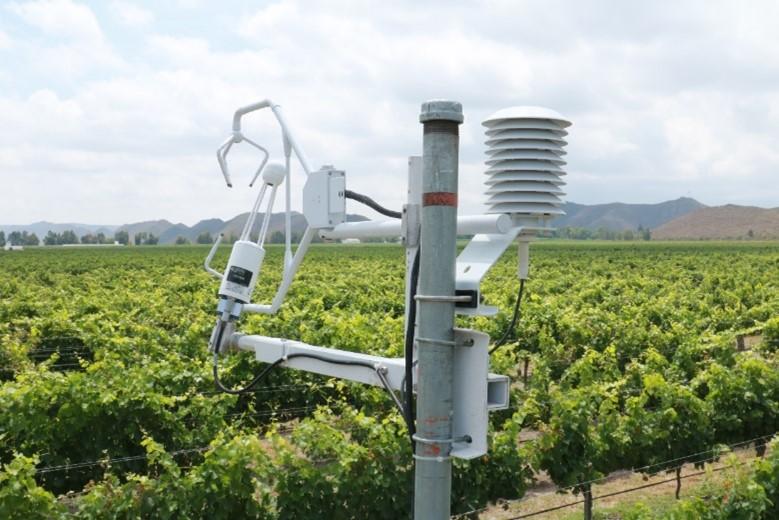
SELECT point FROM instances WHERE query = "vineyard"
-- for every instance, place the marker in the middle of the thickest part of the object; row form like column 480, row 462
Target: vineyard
column 625, row 357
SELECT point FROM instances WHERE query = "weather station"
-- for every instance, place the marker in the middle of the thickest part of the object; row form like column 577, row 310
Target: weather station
column 446, row 368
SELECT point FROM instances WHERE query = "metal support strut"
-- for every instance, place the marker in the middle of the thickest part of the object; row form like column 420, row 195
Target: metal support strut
column 433, row 471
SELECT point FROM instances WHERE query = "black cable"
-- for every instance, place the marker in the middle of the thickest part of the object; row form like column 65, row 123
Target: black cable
column 408, row 387
column 259, row 377
column 514, row 319
column 283, row 359
column 364, row 199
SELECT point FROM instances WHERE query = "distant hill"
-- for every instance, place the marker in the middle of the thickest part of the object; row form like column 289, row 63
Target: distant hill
column 158, row 227
column 722, row 222
column 619, row 216
column 673, row 219
column 169, row 232
column 235, row 225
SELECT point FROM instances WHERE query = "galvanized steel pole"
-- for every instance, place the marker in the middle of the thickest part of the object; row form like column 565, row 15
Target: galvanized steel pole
column 435, row 337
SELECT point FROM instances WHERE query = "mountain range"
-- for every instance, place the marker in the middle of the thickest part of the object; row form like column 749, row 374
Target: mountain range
column 618, row 216
column 683, row 218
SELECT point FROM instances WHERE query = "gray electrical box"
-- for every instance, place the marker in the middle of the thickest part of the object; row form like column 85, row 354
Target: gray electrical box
column 324, row 198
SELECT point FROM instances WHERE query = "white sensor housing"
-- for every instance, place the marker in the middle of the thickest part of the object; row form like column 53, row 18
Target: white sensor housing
column 524, row 161
column 242, row 269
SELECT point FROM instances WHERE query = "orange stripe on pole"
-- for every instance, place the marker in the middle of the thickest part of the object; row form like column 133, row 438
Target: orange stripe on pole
column 439, row 198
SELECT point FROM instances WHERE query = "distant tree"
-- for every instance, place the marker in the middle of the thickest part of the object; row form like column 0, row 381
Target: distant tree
column 277, row 237
column 644, row 233
column 152, row 240
column 574, row 233
column 123, row 237
column 628, row 235
column 2, row 239
column 23, row 238
column 205, row 238
column 52, row 238
column 181, row 241
column 751, row 234
column 231, row 238
column 140, row 238
column 89, row 238
column 607, row 234
column 101, row 238
column 69, row 237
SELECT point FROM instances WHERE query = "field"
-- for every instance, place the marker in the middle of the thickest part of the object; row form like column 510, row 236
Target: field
column 625, row 357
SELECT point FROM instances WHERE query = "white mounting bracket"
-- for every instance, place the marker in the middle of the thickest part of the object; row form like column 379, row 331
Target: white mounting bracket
column 474, row 261
column 477, row 393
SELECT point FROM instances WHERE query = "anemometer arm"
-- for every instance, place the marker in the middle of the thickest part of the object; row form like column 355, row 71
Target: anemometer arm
column 290, row 144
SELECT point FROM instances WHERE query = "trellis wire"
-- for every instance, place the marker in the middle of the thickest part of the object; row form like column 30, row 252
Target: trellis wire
column 134, row 458
column 593, row 481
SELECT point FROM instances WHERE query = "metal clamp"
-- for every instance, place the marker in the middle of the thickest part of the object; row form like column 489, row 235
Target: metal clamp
column 442, row 299
column 439, row 458
column 424, row 440
column 467, row 343
column 431, row 459
column 446, row 342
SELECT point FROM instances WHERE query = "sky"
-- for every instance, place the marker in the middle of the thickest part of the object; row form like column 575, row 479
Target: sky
column 111, row 111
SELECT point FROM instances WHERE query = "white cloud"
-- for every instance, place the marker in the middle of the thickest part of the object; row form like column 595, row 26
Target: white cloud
column 664, row 102
column 5, row 41
column 131, row 14
column 69, row 43
column 60, row 18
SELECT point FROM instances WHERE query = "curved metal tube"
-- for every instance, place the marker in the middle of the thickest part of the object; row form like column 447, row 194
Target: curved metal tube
column 207, row 263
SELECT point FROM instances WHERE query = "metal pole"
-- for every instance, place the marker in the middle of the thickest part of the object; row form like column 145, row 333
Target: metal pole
column 435, row 339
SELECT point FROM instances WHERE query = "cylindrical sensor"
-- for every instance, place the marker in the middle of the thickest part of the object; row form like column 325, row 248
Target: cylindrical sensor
column 240, row 277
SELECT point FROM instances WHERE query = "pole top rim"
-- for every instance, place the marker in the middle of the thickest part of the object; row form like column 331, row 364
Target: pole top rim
column 441, row 110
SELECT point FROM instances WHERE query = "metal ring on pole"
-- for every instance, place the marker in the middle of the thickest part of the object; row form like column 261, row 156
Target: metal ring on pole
column 442, row 299
column 423, row 440
column 439, row 458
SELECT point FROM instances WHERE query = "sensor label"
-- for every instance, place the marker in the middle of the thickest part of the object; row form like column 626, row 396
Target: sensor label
column 239, row 275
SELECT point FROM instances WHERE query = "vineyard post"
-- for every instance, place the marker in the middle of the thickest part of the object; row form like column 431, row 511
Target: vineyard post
column 587, row 491
column 435, row 340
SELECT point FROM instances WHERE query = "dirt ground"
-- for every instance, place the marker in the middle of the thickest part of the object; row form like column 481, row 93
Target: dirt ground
column 543, row 496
